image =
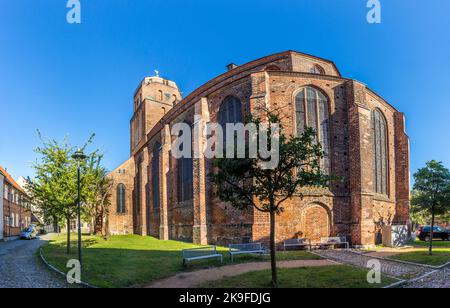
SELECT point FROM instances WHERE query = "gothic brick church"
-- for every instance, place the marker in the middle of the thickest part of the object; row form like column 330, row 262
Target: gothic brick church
column 363, row 137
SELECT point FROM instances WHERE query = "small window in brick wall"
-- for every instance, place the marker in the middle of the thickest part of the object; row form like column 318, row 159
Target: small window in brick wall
column 317, row 69
column 121, row 199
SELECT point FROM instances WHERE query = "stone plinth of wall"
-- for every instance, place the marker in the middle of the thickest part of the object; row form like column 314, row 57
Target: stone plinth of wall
column 181, row 221
column 225, row 234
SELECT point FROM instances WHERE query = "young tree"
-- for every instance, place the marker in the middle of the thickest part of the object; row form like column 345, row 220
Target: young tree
column 244, row 184
column 431, row 193
column 99, row 194
column 54, row 188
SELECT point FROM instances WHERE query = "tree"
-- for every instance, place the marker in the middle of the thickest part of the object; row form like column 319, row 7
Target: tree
column 99, row 194
column 431, row 194
column 244, row 184
column 54, row 187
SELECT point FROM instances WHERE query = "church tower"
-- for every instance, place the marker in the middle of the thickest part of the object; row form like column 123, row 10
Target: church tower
column 153, row 98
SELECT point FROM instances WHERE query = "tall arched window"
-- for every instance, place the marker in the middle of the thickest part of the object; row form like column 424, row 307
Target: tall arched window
column 230, row 112
column 312, row 110
column 185, row 184
column 380, row 153
column 155, row 176
column 121, row 203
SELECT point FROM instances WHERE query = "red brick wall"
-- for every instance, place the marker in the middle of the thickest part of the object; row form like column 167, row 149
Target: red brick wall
column 348, row 207
column 22, row 218
column 122, row 223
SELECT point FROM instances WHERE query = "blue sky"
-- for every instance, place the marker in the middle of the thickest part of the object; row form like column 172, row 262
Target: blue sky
column 78, row 79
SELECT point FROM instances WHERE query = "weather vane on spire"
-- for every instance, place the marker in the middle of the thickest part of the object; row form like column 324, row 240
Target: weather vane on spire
column 157, row 73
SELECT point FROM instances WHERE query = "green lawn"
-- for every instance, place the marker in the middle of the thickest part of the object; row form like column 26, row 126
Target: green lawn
column 130, row 260
column 436, row 243
column 440, row 256
column 441, row 253
column 335, row 276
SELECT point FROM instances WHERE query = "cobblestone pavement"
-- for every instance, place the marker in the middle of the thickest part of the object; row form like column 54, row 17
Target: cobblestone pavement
column 21, row 267
column 439, row 279
column 392, row 268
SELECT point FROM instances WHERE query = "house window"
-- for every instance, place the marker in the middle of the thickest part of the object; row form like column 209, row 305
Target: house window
column 121, row 194
column 380, row 152
column 185, row 169
column 312, row 110
column 155, row 176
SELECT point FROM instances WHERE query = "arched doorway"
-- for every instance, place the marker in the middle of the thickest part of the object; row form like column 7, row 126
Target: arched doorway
column 316, row 222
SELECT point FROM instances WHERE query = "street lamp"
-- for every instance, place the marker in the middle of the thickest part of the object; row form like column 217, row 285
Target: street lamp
column 79, row 157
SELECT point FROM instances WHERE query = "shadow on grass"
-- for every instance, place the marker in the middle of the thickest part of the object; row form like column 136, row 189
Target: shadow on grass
column 336, row 276
column 132, row 260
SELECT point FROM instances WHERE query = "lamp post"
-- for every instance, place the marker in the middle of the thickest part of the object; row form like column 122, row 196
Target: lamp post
column 79, row 157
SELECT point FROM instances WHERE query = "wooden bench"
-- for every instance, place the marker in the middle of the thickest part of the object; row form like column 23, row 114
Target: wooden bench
column 297, row 242
column 326, row 242
column 207, row 252
column 250, row 248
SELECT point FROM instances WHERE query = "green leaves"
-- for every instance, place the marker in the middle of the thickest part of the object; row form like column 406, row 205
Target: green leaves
column 431, row 189
column 54, row 188
column 243, row 183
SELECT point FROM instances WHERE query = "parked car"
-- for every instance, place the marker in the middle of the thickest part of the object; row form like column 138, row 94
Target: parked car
column 438, row 233
column 29, row 233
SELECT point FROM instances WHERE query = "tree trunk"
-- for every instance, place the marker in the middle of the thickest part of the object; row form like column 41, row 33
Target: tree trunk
column 107, row 227
column 92, row 227
column 273, row 259
column 55, row 225
column 68, row 235
column 430, row 249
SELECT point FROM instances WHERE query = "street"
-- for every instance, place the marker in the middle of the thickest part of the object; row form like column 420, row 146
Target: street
column 21, row 267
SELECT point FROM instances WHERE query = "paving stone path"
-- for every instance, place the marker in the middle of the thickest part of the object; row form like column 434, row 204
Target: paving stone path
column 193, row 279
column 20, row 266
column 392, row 268
column 438, row 279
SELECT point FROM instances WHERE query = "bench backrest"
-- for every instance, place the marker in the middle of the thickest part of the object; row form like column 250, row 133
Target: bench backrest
column 294, row 241
column 199, row 252
column 330, row 240
column 245, row 247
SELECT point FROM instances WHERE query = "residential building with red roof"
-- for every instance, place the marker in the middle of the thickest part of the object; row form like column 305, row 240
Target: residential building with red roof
column 14, row 207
